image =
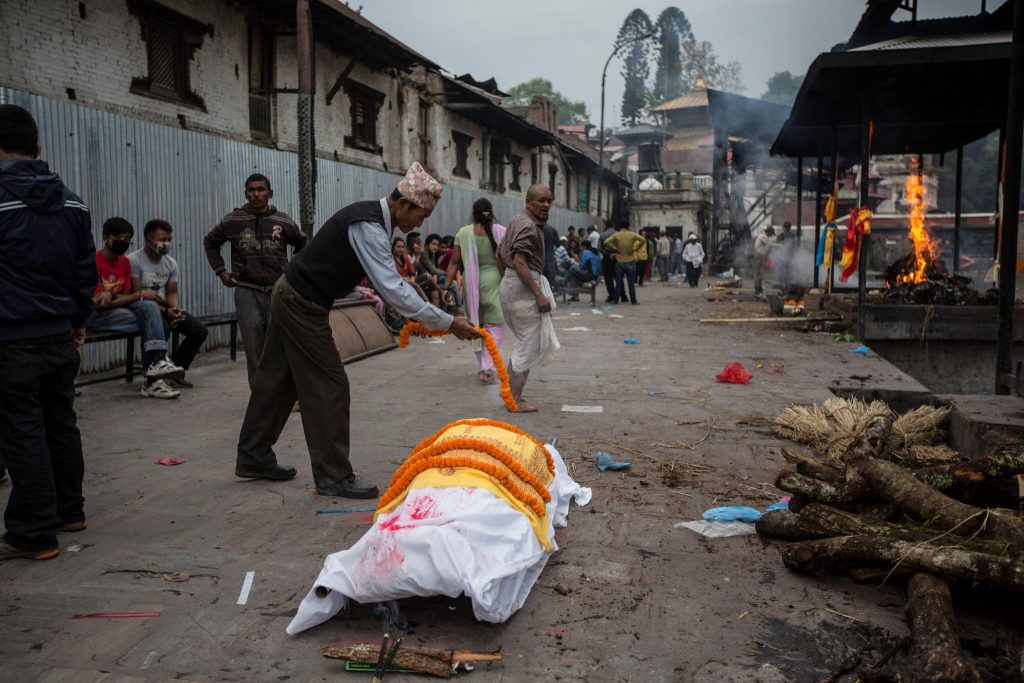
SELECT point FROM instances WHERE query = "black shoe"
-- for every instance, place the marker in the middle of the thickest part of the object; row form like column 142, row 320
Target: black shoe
column 609, row 300
column 181, row 384
column 275, row 473
column 349, row 487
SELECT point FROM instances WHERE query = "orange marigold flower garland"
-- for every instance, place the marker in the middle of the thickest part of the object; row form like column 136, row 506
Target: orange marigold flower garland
column 413, row 327
column 485, row 422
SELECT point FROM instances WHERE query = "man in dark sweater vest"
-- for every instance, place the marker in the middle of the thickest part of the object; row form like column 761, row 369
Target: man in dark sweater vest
column 299, row 357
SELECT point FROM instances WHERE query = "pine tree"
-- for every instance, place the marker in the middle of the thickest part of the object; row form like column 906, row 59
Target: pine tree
column 673, row 31
column 636, row 66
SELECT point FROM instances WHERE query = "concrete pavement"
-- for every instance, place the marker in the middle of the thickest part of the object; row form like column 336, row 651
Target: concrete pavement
column 628, row 597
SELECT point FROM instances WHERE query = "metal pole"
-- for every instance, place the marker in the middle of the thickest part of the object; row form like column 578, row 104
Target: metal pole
column 604, row 76
column 799, row 197
column 835, row 194
column 958, row 208
column 1011, row 203
column 304, row 49
column 865, row 241
column 817, row 220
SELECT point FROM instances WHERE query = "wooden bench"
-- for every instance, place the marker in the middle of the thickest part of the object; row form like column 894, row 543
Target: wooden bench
column 563, row 289
column 130, row 367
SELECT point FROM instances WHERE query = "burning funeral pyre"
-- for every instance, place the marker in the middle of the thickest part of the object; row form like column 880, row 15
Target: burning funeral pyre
column 920, row 277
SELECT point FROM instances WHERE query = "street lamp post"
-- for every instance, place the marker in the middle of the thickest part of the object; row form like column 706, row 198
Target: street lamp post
column 604, row 76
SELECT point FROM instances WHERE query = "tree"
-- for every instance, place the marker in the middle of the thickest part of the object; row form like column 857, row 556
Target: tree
column 700, row 61
column 673, row 30
column 636, row 66
column 568, row 110
column 981, row 171
column 782, row 88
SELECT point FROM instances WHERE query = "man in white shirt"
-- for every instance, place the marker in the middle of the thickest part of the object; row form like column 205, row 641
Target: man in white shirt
column 299, row 357
column 663, row 256
column 155, row 274
column 693, row 257
column 762, row 248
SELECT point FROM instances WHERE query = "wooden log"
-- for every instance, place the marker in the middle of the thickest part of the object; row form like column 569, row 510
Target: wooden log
column 830, row 522
column 935, row 654
column 427, row 660
column 807, row 557
column 786, row 525
column 811, row 489
column 424, row 659
column 812, row 467
column 990, row 477
column 920, row 501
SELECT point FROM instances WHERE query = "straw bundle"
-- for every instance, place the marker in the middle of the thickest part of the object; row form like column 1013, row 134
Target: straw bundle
column 918, row 437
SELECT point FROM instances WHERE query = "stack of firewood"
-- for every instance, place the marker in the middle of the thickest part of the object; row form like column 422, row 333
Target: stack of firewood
column 867, row 511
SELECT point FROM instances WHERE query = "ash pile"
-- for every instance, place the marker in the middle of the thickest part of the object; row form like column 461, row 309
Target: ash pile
column 904, row 285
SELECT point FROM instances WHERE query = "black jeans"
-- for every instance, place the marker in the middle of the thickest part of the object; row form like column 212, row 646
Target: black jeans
column 40, row 440
column 193, row 334
column 577, row 276
column 608, row 268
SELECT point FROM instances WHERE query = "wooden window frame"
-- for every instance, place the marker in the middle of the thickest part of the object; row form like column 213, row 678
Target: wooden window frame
column 371, row 101
column 186, row 36
column 423, row 114
column 516, row 163
column 462, row 143
column 261, row 94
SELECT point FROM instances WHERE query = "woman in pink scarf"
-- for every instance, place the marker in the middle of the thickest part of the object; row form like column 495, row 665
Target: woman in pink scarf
column 476, row 251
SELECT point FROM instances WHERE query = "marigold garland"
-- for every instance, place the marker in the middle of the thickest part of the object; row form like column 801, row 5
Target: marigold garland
column 400, row 484
column 492, row 349
column 401, row 479
column 485, row 422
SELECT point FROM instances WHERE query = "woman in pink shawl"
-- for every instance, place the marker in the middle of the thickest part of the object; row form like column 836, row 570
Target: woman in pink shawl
column 476, row 251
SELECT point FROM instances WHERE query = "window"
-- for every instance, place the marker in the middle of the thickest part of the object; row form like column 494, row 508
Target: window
column 364, row 104
column 496, row 175
column 552, row 176
column 425, row 133
column 171, row 39
column 583, row 201
column 462, row 143
column 517, row 164
column 534, row 169
column 261, row 79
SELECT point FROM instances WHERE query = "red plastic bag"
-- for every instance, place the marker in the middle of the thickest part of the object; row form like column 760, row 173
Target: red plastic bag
column 169, row 461
column 734, row 373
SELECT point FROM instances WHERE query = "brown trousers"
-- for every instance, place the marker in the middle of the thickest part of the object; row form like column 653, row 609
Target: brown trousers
column 300, row 361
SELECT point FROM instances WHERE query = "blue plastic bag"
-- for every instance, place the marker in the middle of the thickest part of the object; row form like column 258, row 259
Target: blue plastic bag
column 607, row 462
column 863, row 350
column 631, row 340
column 732, row 513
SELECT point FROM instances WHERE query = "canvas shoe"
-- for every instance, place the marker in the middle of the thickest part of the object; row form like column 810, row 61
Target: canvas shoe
column 159, row 389
column 9, row 552
column 164, row 369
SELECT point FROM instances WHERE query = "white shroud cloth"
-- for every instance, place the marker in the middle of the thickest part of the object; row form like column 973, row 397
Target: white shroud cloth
column 444, row 541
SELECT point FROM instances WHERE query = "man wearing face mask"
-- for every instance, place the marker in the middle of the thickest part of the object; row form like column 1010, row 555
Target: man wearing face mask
column 119, row 309
column 300, row 359
column 155, row 275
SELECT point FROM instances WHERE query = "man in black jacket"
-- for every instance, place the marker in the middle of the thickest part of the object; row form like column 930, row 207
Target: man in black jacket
column 47, row 276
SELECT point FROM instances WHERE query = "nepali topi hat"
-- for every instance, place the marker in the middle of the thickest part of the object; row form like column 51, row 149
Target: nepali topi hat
column 419, row 187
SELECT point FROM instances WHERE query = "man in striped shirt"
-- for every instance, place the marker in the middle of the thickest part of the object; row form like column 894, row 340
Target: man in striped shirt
column 47, row 276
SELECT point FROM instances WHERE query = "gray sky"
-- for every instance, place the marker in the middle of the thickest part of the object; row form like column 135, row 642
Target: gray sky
column 567, row 41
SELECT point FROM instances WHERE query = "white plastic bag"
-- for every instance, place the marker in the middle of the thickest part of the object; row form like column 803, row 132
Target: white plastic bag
column 717, row 529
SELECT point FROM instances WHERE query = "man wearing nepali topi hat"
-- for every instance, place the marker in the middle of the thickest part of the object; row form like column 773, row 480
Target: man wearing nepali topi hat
column 299, row 357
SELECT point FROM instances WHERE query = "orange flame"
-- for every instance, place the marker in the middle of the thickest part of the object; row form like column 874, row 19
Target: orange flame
column 915, row 193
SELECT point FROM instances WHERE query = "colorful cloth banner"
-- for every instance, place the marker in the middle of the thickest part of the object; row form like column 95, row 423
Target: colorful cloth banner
column 858, row 226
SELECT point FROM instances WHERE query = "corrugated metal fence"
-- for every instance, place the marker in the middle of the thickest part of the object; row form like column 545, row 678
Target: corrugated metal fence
column 138, row 170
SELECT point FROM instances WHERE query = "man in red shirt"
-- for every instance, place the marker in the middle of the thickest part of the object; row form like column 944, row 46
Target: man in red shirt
column 118, row 309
